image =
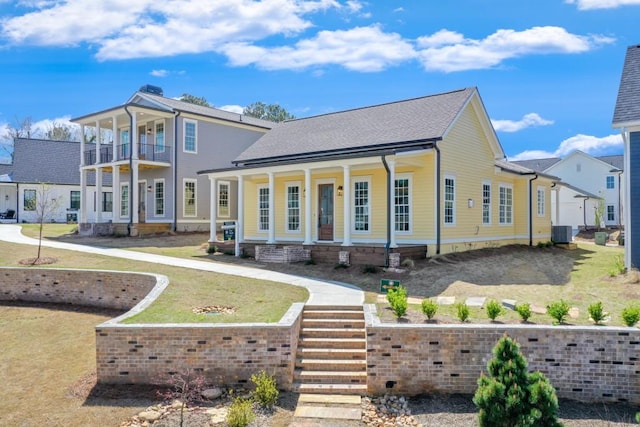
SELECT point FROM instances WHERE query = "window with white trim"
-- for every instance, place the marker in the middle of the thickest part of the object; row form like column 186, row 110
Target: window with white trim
column 541, row 201
column 611, row 213
column 486, row 203
column 74, row 200
column 107, row 201
column 190, row 140
column 124, row 143
column 506, row 205
column 361, row 213
column 611, row 182
column 124, row 199
column 189, row 198
column 223, row 199
column 449, row 200
column 29, row 200
column 263, row 208
column 159, row 146
column 293, row 207
column 158, row 197
column 402, row 200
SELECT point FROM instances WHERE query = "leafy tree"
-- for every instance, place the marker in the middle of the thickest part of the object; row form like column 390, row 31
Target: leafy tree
column 510, row 396
column 192, row 99
column 271, row 112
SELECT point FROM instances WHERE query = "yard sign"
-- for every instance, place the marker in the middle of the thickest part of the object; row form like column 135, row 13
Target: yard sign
column 386, row 284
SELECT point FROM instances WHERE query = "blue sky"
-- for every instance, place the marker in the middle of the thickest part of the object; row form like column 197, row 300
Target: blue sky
column 547, row 70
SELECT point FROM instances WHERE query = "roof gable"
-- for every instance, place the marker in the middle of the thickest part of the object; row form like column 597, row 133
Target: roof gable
column 596, row 162
column 372, row 128
column 538, row 165
column 627, row 109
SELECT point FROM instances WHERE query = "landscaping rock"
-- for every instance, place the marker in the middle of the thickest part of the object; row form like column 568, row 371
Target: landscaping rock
column 445, row 300
column 475, row 301
column 150, row 416
column 509, row 303
column 574, row 312
column 537, row 309
column 212, row 393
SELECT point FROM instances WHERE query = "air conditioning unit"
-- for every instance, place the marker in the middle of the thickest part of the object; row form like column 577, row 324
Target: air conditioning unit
column 154, row 90
column 561, row 234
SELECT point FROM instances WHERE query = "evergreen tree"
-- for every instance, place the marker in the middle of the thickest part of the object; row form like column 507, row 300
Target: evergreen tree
column 510, row 396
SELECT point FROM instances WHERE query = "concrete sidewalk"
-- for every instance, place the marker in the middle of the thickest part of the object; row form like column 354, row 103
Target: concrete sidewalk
column 320, row 292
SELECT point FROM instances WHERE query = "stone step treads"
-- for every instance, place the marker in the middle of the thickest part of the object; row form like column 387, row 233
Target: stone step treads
column 333, row 323
column 347, row 389
column 331, row 377
column 332, row 343
column 329, row 406
column 332, row 353
column 331, row 364
column 333, row 314
column 333, row 332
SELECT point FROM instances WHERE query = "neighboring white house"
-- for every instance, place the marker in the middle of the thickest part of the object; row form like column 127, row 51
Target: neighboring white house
column 588, row 184
column 51, row 167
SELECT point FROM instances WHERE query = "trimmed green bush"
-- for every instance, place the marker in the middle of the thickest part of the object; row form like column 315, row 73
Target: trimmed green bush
column 240, row 413
column 462, row 310
column 558, row 310
column 398, row 300
column 631, row 315
column 596, row 312
column 524, row 310
column 494, row 309
column 429, row 308
column 510, row 396
column 266, row 392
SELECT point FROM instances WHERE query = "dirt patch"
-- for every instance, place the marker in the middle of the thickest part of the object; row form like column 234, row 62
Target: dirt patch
column 38, row 261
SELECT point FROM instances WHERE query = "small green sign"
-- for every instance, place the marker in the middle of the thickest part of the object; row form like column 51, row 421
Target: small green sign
column 386, row 284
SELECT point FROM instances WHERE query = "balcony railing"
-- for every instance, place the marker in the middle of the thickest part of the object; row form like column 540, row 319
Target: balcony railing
column 150, row 152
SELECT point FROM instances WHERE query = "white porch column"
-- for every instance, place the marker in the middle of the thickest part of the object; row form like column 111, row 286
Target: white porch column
column 98, row 195
column 213, row 208
column 240, row 222
column 83, row 197
column 392, row 203
column 98, row 143
column 82, row 146
column 115, row 195
column 134, row 136
column 346, row 239
column 272, row 211
column 308, row 226
column 114, row 137
column 135, row 194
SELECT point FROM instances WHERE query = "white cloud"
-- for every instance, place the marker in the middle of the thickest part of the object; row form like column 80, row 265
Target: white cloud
column 232, row 108
column 159, row 73
column 602, row 4
column 527, row 121
column 593, row 145
column 449, row 51
column 364, row 49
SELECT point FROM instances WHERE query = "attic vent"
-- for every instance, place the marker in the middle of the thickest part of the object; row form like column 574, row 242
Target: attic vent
column 154, row 90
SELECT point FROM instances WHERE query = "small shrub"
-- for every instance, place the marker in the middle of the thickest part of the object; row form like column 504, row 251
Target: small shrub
column 524, row 310
column 558, row 310
column 631, row 315
column 618, row 266
column 596, row 312
column 398, row 301
column 240, row 413
column 212, row 249
column 462, row 310
column 366, row 269
column 429, row 308
column 266, row 391
column 408, row 263
column 243, row 254
column 340, row 265
column 494, row 309
column 638, row 417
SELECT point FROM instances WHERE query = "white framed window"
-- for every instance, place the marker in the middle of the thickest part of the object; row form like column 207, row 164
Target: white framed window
column 223, row 199
column 30, row 199
column 506, row 205
column 74, row 200
column 189, row 206
column 263, row 208
column 541, row 201
column 361, row 204
column 124, row 199
column 402, row 195
column 190, row 136
column 449, row 200
column 611, row 182
column 292, row 215
column 107, row 201
column 611, row 213
column 159, row 135
column 486, row 203
column 158, row 197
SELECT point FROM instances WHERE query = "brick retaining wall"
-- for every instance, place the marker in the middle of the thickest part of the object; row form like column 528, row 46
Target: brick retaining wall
column 97, row 288
column 583, row 363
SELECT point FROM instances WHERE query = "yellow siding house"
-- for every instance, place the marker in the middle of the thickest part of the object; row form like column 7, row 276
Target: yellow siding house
column 418, row 177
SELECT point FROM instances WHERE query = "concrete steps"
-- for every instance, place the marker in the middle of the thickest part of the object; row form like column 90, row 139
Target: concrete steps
column 327, row 406
column 332, row 355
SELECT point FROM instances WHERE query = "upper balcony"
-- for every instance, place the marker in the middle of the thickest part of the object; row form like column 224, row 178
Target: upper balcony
column 148, row 153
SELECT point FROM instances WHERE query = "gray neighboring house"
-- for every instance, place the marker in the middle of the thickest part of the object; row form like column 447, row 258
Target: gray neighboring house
column 52, row 166
column 626, row 118
column 152, row 146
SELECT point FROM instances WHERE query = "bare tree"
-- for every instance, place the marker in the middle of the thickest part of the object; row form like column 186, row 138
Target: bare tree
column 59, row 132
column 271, row 112
column 192, row 99
column 22, row 128
column 44, row 204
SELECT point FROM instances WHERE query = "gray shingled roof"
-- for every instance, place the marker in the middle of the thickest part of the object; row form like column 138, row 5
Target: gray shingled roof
column 580, row 191
column 521, row 170
column 628, row 103
column 615, row 161
column 178, row 105
column 53, row 162
column 538, row 165
column 374, row 127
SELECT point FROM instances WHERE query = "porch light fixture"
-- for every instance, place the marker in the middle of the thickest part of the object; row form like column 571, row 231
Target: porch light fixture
column 149, row 188
column 339, row 190
column 470, row 203
column 149, row 131
column 6, row 197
